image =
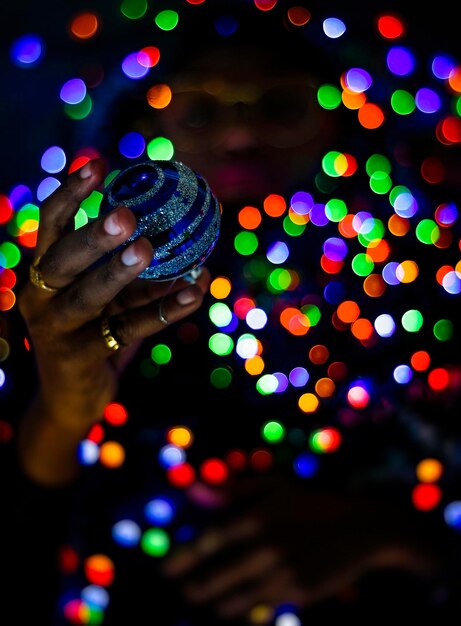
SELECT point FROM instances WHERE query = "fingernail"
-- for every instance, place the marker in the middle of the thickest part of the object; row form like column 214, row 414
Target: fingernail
column 129, row 257
column 85, row 171
column 111, row 225
column 186, row 296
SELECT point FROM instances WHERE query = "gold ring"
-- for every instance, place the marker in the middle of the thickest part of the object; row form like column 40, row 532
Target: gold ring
column 161, row 317
column 36, row 278
column 109, row 338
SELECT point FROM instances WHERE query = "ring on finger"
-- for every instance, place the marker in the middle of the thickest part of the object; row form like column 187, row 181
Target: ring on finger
column 111, row 342
column 36, row 278
column 161, row 315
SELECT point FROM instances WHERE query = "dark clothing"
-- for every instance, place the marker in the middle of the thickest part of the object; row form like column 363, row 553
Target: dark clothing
column 44, row 528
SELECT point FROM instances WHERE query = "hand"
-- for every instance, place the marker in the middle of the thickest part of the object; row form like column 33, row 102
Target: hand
column 283, row 542
column 78, row 372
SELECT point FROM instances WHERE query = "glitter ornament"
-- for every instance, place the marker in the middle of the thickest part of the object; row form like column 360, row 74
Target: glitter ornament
column 175, row 209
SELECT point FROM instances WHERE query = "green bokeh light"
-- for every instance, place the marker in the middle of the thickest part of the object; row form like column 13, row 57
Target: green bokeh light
column 220, row 314
column 312, row 312
column 324, row 183
column 221, row 344
column 372, row 229
column 28, row 212
column 92, row 203
column 380, row 182
column 329, row 163
column 292, row 229
column 167, row 20
column 335, row 209
column 362, row 264
column 133, row 9
column 377, row 163
column 80, row 219
column 80, row 110
column 443, row 330
column 402, row 102
column 279, row 280
column 160, row 354
column 457, row 106
column 221, row 377
column 155, row 542
column 110, row 177
column 247, row 345
column 412, row 320
column 267, row 384
column 246, row 243
column 10, row 255
column 95, row 615
column 329, row 96
column 397, row 191
column 160, row 148
column 315, row 442
column 427, row 231
column 256, row 269
column 273, row 432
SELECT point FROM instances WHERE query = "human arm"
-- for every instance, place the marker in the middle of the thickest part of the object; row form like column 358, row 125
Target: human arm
column 279, row 541
column 78, row 373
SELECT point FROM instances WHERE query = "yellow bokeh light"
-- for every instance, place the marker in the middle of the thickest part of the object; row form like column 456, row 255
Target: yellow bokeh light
column 112, row 454
column 159, row 96
column 308, row 403
column 180, row 436
column 254, row 365
column 407, row 271
column 325, row 387
column 429, row 470
column 220, row 287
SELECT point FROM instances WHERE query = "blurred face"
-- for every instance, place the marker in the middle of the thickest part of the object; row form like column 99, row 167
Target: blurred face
column 248, row 129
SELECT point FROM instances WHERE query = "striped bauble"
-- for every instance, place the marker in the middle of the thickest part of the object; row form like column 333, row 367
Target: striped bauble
column 175, row 209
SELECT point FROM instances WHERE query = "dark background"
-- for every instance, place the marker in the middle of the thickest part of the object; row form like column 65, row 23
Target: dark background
column 30, row 109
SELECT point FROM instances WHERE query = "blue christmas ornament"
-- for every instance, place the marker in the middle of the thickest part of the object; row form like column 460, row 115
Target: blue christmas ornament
column 175, row 209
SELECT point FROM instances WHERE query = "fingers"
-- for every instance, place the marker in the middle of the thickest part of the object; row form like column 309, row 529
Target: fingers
column 63, row 253
column 86, row 297
column 76, row 262
column 210, row 544
column 60, row 207
column 141, row 292
column 90, row 272
column 137, row 324
column 226, row 578
column 69, row 257
column 275, row 587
